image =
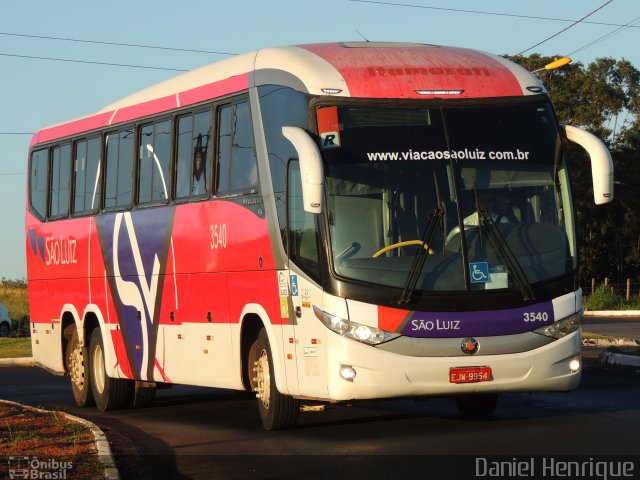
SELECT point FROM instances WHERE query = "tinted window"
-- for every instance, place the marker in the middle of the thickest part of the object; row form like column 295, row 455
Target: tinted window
column 92, row 183
column 38, row 181
column 60, row 180
column 281, row 107
column 236, row 150
column 80, row 175
column 119, row 169
column 86, row 170
column 145, row 172
column 162, row 155
column 193, row 166
column 153, row 179
column 303, row 234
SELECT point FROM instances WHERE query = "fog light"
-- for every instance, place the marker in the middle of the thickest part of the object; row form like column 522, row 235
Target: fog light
column 574, row 365
column 347, row 372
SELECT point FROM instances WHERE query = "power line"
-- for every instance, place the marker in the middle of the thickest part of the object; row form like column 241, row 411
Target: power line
column 136, row 45
column 498, row 14
column 566, row 28
column 604, row 37
column 12, row 174
column 16, row 133
column 92, row 62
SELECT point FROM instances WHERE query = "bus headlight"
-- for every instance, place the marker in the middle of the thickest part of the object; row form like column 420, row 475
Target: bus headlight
column 561, row 328
column 353, row 330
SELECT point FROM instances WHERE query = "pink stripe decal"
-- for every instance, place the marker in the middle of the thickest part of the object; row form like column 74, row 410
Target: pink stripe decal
column 144, row 109
column 214, row 90
column 72, row 128
column 189, row 97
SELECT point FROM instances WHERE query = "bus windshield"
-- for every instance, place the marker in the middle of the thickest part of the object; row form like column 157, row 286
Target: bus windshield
column 483, row 190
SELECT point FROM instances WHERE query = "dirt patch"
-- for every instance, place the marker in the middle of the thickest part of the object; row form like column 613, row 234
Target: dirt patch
column 46, row 442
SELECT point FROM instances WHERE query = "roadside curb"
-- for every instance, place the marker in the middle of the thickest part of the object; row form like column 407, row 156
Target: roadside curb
column 102, row 445
column 619, row 359
column 612, row 313
column 17, row 362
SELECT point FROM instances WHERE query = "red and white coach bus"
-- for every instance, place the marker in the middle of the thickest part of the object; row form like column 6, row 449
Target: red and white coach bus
column 332, row 222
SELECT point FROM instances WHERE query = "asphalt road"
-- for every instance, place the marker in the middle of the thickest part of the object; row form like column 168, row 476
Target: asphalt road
column 623, row 327
column 207, row 433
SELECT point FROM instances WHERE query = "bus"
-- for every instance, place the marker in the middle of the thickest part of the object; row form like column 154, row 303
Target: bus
column 327, row 222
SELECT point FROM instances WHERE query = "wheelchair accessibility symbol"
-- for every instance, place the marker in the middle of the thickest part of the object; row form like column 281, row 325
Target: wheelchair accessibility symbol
column 479, row 272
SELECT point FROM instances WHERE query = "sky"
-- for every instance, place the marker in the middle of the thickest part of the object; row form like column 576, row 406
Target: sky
column 41, row 92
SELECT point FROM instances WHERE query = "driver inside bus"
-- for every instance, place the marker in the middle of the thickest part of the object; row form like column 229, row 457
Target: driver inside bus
column 496, row 202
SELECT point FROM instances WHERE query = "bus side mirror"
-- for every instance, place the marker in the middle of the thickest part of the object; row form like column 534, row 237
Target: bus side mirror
column 601, row 163
column 311, row 169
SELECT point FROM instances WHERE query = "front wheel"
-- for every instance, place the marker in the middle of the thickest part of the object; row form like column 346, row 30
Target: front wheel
column 277, row 411
column 109, row 393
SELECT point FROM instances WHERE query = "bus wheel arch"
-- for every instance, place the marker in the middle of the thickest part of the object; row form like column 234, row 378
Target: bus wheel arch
column 251, row 326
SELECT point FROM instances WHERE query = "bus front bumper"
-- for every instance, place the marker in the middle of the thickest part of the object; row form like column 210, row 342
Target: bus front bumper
column 381, row 374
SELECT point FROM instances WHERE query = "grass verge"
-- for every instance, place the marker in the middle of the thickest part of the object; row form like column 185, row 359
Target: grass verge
column 46, row 444
column 15, row 347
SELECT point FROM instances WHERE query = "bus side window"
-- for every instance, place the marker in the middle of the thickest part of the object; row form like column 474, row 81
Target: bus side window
column 86, row 175
column 193, row 163
column 60, row 181
column 237, row 167
column 153, row 163
column 303, row 232
column 119, row 169
column 79, row 175
column 92, row 183
column 39, row 181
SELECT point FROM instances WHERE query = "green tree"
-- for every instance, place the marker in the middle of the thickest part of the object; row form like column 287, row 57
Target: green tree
column 604, row 98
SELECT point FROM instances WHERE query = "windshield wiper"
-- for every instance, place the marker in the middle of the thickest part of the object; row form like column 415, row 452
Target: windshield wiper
column 500, row 244
column 421, row 257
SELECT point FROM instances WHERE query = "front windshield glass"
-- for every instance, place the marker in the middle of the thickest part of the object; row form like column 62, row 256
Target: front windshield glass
column 389, row 170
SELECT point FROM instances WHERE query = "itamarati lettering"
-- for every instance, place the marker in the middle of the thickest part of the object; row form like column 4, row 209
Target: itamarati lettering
column 401, row 71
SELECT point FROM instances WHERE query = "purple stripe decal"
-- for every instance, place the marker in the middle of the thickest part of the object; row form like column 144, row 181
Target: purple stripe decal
column 478, row 323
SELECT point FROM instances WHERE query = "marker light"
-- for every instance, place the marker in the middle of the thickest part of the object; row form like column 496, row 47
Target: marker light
column 439, row 92
column 353, row 330
column 561, row 328
column 347, row 372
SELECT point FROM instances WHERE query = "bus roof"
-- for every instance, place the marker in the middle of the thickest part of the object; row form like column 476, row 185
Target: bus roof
column 350, row 69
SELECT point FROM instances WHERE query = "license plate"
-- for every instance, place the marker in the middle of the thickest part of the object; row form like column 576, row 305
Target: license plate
column 469, row 374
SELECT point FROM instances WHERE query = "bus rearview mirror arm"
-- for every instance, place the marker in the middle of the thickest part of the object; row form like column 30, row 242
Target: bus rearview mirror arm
column 311, row 169
column 601, row 162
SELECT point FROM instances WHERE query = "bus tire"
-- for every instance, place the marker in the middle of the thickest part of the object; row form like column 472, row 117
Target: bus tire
column 478, row 406
column 108, row 393
column 277, row 411
column 77, row 363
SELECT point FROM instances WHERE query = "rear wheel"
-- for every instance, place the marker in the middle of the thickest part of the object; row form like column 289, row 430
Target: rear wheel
column 109, row 393
column 4, row 330
column 77, row 362
column 277, row 411
column 477, row 406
